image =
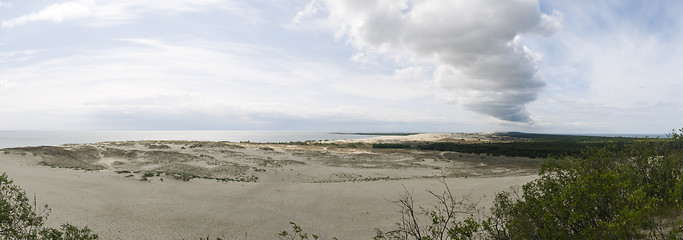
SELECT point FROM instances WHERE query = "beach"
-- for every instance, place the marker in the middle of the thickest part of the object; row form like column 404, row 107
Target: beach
column 137, row 190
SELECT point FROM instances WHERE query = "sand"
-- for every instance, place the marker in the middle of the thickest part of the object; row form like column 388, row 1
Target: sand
column 342, row 192
column 436, row 137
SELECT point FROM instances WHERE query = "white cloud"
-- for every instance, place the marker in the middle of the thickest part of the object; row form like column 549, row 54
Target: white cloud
column 311, row 9
column 55, row 13
column 215, row 80
column 404, row 84
column 101, row 12
column 474, row 45
column 4, row 4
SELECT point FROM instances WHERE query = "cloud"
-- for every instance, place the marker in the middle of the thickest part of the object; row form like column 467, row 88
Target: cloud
column 311, row 9
column 219, row 84
column 100, row 12
column 4, row 4
column 614, row 68
column 475, row 46
column 618, row 54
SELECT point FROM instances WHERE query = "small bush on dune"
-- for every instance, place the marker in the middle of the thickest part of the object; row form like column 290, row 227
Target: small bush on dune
column 68, row 232
column 298, row 234
column 450, row 218
column 19, row 219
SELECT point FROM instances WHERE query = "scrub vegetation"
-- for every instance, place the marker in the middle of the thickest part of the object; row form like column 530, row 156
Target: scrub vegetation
column 22, row 219
column 626, row 189
column 534, row 145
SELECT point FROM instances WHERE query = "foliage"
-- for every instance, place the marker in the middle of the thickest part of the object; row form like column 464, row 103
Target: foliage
column 531, row 145
column 68, row 232
column 449, row 218
column 355, row 144
column 82, row 157
column 148, row 174
column 209, row 238
column 622, row 190
column 390, row 145
column 19, row 219
column 537, row 148
column 298, row 234
column 602, row 193
column 531, row 149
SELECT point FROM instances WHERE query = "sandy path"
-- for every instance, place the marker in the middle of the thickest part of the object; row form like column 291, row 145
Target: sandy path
column 124, row 208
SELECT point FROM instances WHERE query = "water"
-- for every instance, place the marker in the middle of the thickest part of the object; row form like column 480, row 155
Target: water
column 54, row 138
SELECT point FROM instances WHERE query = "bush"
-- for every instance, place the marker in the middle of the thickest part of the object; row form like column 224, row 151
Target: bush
column 390, row 145
column 449, row 218
column 68, row 232
column 630, row 191
column 19, row 219
column 355, row 145
column 600, row 194
column 298, row 234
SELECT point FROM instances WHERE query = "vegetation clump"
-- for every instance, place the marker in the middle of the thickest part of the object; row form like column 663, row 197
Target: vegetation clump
column 158, row 146
column 297, row 234
column 390, row 145
column 613, row 192
column 355, row 145
column 21, row 219
column 82, row 157
column 635, row 192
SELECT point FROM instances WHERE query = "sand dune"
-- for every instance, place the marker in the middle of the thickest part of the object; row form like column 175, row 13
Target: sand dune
column 334, row 191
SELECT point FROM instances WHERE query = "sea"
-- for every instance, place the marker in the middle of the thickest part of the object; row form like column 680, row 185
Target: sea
column 9, row 139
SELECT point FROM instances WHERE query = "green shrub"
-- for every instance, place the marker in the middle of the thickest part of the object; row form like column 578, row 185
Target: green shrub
column 148, row 174
column 68, row 232
column 631, row 191
column 390, row 145
column 355, row 144
column 20, row 219
column 298, row 234
column 601, row 194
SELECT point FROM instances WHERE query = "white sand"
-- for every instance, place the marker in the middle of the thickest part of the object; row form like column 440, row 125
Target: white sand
column 116, row 207
column 434, row 137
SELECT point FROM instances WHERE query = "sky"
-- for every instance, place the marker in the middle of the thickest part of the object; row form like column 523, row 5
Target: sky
column 547, row 66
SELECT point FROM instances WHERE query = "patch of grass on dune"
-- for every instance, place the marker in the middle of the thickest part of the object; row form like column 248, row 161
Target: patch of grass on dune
column 81, row 157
